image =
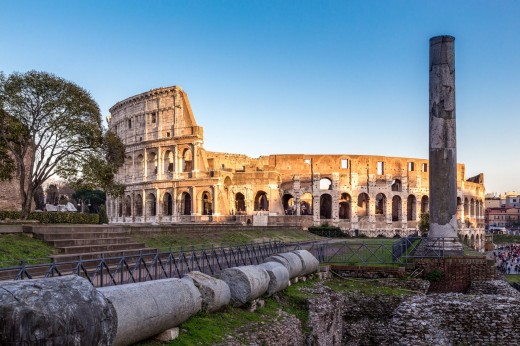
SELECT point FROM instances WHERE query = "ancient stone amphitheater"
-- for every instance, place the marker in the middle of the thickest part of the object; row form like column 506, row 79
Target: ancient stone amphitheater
column 170, row 178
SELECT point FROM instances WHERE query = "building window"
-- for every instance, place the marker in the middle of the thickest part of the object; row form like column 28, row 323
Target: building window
column 167, row 134
column 129, row 123
column 307, row 161
column 380, row 168
column 154, row 118
column 344, row 163
column 411, row 166
column 425, row 167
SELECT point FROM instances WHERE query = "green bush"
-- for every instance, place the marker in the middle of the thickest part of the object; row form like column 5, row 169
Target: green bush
column 12, row 215
column 103, row 217
column 435, row 275
column 65, row 217
column 54, row 217
column 327, row 231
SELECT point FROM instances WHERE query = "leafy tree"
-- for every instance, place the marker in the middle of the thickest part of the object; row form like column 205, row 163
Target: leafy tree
column 424, row 223
column 95, row 198
column 50, row 125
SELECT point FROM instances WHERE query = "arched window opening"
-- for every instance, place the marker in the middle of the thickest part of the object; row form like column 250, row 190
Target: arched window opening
column 344, row 206
column 396, row 209
column 466, row 207
column 168, row 162
column 306, row 204
column 187, row 163
column 128, row 206
column 288, row 204
column 129, row 166
column 120, row 207
column 425, row 207
column 152, row 164
column 397, row 186
column 411, row 206
column 186, row 203
column 261, row 201
column 380, row 204
column 206, row 204
column 325, row 206
column 325, row 184
column 472, row 208
column 240, row 203
column 151, row 205
column 138, row 205
column 139, row 166
column 362, row 204
column 167, row 204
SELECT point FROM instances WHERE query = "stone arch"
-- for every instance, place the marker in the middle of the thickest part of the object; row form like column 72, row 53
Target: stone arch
column 472, row 207
column 288, row 204
column 128, row 206
column 345, row 202
column 466, row 239
column 129, row 166
column 240, row 203
column 227, row 182
column 261, row 201
column 397, row 185
column 168, row 162
column 151, row 204
column 325, row 184
column 187, row 160
column 466, row 207
column 138, row 205
column 152, row 164
column 120, row 207
column 472, row 241
column 206, row 203
column 362, row 204
column 411, row 208
column 306, row 204
column 397, row 212
column 167, row 204
column 139, row 166
column 425, row 204
column 325, row 206
column 186, row 203
column 380, row 204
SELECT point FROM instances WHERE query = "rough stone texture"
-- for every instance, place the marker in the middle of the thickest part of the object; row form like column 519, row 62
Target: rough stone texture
column 245, row 283
column 164, row 144
column 10, row 190
column 148, row 308
column 278, row 276
column 55, row 311
column 309, row 263
column 283, row 330
column 499, row 287
column 290, row 260
column 443, row 145
column 215, row 293
column 168, row 335
column 457, row 319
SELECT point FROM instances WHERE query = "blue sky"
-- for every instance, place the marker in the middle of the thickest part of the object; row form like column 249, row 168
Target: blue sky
column 267, row 77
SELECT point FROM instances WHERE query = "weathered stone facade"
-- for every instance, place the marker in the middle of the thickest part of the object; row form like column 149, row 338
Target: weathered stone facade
column 171, row 178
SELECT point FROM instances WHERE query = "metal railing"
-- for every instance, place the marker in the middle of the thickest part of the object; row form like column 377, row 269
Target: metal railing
column 108, row 271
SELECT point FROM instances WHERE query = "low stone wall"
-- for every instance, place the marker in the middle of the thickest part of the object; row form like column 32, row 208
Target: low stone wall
column 457, row 319
column 369, row 272
column 457, row 272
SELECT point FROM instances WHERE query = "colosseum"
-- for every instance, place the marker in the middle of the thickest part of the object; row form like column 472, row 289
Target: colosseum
column 170, row 178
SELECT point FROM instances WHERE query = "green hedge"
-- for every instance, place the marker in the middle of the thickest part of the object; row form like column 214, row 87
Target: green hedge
column 53, row 217
column 327, row 231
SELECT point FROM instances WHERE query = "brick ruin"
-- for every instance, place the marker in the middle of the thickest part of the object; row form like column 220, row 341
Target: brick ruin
column 170, row 178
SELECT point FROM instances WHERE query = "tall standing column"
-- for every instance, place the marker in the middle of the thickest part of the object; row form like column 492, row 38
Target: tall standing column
column 443, row 145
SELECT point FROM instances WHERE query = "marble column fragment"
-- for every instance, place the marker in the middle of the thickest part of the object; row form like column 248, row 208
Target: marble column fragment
column 443, row 145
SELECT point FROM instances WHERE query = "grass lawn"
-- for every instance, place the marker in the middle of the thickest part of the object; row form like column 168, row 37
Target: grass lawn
column 174, row 239
column 505, row 238
column 362, row 251
column 513, row 278
column 15, row 247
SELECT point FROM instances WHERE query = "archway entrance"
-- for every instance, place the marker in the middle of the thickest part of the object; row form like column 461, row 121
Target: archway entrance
column 326, row 206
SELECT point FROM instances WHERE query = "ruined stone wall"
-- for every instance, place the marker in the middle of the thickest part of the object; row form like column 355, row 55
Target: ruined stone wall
column 10, row 190
column 171, row 178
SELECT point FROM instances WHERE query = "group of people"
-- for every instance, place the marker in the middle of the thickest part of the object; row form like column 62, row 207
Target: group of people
column 507, row 259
